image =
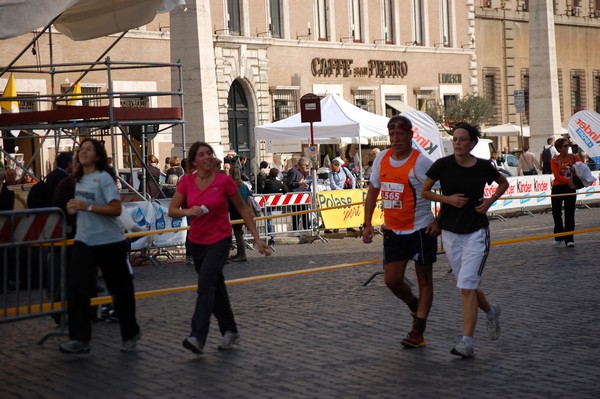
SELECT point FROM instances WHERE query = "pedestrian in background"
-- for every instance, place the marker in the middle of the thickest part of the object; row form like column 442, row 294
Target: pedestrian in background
column 238, row 229
column 297, row 182
column 261, row 177
column 273, row 185
column 175, row 172
column 465, row 226
column 546, row 155
column 528, row 163
column 204, row 196
column 227, row 168
column 562, row 169
column 494, row 160
column 64, row 161
column 11, row 177
column 409, row 228
column 99, row 242
column 340, row 177
column 152, row 187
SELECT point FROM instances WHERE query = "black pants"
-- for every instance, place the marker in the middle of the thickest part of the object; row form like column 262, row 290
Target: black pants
column 557, row 204
column 81, row 283
column 212, row 293
column 299, row 222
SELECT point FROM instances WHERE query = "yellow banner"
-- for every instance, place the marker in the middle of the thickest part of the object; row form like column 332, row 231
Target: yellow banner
column 349, row 216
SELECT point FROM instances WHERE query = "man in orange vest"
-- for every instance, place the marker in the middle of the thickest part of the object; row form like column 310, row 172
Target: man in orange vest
column 409, row 227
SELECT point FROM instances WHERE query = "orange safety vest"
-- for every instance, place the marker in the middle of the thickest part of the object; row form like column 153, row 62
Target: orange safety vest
column 398, row 197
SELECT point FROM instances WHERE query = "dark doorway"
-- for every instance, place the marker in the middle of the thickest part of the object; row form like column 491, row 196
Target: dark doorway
column 238, row 118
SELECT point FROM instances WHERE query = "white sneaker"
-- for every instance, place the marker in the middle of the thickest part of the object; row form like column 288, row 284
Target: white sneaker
column 493, row 326
column 230, row 339
column 130, row 344
column 192, row 344
column 75, row 347
column 558, row 243
column 570, row 244
column 463, row 349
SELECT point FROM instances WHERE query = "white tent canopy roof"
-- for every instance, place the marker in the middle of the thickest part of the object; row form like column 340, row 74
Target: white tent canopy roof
column 339, row 119
column 400, row 106
column 507, row 129
column 79, row 19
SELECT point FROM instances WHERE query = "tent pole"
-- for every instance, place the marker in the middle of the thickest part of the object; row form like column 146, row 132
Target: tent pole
column 360, row 168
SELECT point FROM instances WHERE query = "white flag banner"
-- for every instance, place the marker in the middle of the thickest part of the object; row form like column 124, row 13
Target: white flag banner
column 584, row 129
column 427, row 138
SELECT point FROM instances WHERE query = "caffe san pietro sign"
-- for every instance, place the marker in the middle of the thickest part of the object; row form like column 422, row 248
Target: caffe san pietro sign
column 342, row 67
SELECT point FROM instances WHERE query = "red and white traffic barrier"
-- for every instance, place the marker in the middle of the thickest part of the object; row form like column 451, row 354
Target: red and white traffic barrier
column 32, row 227
column 272, row 200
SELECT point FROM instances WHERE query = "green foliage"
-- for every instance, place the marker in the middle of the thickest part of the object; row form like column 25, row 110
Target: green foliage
column 473, row 109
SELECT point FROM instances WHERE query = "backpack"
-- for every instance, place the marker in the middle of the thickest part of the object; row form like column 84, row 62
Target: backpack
column 546, row 155
column 173, row 179
column 175, row 175
column 38, row 196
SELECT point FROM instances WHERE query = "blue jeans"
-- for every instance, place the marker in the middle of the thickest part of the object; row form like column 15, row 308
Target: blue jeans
column 269, row 222
column 212, row 298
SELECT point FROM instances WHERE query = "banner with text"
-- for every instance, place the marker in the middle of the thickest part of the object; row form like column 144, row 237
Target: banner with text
column 532, row 186
column 350, row 216
column 584, row 128
column 534, row 190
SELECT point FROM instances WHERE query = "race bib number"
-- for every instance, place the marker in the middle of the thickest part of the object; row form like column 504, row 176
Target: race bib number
column 391, row 195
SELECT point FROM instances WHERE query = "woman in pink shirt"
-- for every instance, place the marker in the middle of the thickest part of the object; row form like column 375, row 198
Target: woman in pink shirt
column 205, row 195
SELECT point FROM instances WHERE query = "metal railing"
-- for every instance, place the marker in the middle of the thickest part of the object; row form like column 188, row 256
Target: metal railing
column 32, row 264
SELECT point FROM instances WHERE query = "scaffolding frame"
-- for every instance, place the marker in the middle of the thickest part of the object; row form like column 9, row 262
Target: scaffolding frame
column 60, row 121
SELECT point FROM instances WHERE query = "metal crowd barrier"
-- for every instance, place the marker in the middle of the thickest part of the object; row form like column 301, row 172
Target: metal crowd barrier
column 32, row 264
column 279, row 205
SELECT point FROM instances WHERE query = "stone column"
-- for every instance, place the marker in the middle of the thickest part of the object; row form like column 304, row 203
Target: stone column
column 192, row 44
column 544, row 106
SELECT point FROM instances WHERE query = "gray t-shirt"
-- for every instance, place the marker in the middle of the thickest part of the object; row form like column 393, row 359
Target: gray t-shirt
column 97, row 188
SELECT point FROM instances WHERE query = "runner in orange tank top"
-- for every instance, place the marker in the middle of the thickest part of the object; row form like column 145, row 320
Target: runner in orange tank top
column 409, row 228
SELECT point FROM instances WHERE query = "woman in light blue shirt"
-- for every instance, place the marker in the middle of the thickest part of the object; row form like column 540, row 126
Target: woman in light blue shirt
column 99, row 242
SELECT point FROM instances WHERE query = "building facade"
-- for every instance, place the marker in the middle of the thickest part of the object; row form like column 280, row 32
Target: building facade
column 257, row 58
column 247, row 63
column 35, row 75
column 504, row 58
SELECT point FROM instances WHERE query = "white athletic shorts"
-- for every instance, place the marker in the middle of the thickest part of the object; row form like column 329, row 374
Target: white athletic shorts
column 467, row 254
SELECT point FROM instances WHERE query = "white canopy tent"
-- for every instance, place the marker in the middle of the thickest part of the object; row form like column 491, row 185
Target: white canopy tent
column 79, row 19
column 342, row 120
column 507, row 129
column 339, row 120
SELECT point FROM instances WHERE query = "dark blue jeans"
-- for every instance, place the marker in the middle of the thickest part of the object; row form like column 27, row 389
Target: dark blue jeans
column 81, row 284
column 557, row 204
column 212, row 292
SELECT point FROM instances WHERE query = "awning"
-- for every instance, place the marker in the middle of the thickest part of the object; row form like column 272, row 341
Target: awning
column 399, row 106
column 79, row 19
column 507, row 129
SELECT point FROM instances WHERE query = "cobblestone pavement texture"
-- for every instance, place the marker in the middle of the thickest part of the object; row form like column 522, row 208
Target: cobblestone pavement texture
column 325, row 335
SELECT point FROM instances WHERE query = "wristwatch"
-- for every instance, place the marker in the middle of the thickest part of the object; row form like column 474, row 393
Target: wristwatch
column 89, row 208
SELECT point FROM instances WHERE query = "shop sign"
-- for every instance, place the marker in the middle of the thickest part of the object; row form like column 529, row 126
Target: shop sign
column 450, row 78
column 342, row 67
